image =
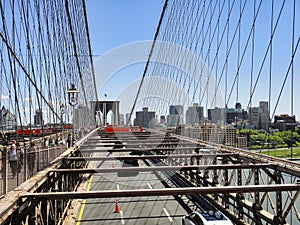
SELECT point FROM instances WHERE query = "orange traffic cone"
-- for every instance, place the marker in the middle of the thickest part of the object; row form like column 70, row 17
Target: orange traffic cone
column 117, row 208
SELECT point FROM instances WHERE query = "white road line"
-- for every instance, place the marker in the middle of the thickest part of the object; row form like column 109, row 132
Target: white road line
column 168, row 215
column 118, row 187
column 122, row 217
column 165, row 210
column 149, row 185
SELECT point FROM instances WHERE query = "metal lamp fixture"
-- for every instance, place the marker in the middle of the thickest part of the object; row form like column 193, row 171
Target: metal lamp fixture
column 73, row 100
column 62, row 111
column 62, row 108
column 73, row 95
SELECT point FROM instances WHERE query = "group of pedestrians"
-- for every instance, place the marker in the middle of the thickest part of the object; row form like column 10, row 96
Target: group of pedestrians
column 16, row 156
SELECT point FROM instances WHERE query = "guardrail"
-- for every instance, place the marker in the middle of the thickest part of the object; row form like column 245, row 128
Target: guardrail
column 14, row 212
column 29, row 164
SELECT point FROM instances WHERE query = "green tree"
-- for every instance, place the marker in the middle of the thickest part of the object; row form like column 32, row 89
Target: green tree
column 281, row 139
column 276, row 141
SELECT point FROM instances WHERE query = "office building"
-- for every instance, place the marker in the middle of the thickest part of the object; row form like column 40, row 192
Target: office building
column 254, row 118
column 7, row 119
column 235, row 114
column 175, row 117
column 194, row 114
column 285, row 122
column 38, row 118
column 264, row 115
column 216, row 115
column 176, row 110
column 145, row 118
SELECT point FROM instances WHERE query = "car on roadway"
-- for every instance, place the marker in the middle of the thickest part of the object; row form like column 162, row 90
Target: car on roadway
column 206, row 218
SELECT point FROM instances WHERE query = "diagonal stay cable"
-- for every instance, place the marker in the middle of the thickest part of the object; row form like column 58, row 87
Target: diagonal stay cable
column 89, row 47
column 266, row 54
column 148, row 61
column 26, row 72
column 75, row 49
column 285, row 78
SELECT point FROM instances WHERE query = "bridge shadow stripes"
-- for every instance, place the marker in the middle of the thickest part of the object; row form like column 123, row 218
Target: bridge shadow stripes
column 130, row 218
column 130, row 201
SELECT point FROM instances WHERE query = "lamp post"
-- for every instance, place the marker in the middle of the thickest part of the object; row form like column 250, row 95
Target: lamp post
column 73, row 101
column 62, row 111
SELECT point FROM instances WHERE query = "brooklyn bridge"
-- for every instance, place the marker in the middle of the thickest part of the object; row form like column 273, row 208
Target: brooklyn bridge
column 174, row 147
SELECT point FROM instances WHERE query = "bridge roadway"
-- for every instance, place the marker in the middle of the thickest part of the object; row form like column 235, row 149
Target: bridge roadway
column 140, row 210
column 245, row 186
column 132, row 210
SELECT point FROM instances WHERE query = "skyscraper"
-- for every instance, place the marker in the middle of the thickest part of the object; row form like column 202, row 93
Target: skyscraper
column 176, row 109
column 38, row 118
column 233, row 115
column 194, row 114
column 145, row 118
column 176, row 115
column 254, row 117
column 217, row 115
column 264, row 115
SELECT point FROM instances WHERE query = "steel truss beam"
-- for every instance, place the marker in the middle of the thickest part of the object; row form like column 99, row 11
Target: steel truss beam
column 164, row 168
column 109, row 149
column 143, row 141
column 137, row 145
column 162, row 192
column 196, row 156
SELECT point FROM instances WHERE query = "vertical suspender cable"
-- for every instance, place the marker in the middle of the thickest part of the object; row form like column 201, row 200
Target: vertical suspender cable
column 75, row 50
column 292, row 70
column 148, row 61
column 90, row 48
column 252, row 64
column 90, row 51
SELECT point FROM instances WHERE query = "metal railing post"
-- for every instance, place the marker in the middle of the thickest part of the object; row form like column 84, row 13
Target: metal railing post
column 38, row 160
column 25, row 163
column 4, row 172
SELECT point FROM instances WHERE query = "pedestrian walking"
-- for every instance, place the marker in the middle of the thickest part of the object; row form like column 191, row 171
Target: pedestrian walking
column 20, row 157
column 69, row 141
column 1, row 157
column 31, row 158
column 13, row 159
column 45, row 143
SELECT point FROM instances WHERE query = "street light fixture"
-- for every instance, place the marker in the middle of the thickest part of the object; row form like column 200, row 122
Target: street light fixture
column 73, row 101
column 73, row 95
column 62, row 111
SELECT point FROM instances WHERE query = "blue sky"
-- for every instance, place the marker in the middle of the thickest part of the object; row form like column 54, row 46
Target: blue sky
column 115, row 23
